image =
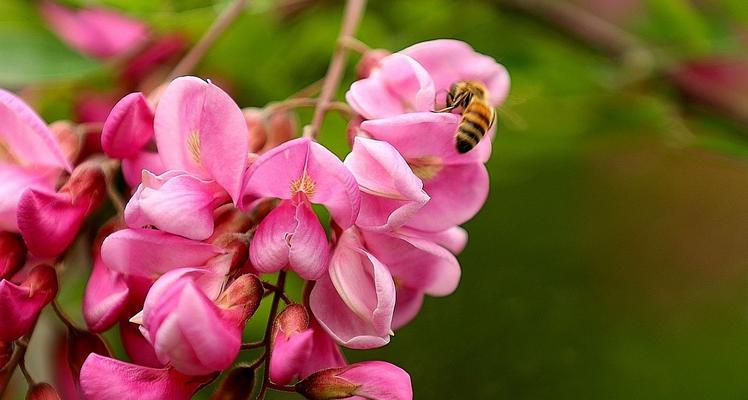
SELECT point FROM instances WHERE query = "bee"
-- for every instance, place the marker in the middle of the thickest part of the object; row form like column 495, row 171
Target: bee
column 477, row 114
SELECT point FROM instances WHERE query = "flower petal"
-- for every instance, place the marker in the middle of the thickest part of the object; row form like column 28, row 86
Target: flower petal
column 128, row 127
column 132, row 168
column 14, row 180
column 105, row 298
column 149, row 253
column 49, row 221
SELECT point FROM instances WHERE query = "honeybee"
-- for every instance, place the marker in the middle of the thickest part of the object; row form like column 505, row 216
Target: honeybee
column 477, row 114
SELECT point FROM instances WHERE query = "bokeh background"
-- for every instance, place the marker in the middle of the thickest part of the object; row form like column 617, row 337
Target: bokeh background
column 610, row 261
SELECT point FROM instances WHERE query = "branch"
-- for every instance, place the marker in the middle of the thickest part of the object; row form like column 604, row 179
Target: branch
column 19, row 351
column 354, row 10
column 196, row 53
column 279, row 287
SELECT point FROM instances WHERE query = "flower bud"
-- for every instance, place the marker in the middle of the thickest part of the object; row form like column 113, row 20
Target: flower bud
column 12, row 254
column 256, row 128
column 20, row 304
column 80, row 344
column 370, row 61
column 237, row 385
column 241, row 299
column 229, row 219
column 375, row 380
column 42, row 391
column 268, row 131
column 293, row 319
column 87, row 183
column 66, row 136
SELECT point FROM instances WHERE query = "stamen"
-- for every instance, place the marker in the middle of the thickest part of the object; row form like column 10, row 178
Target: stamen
column 427, row 167
column 193, row 146
column 305, row 184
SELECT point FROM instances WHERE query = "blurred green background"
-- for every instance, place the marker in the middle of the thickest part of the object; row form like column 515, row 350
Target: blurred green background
column 610, row 261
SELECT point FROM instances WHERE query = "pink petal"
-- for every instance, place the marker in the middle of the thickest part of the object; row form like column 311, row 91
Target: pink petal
column 407, row 306
column 96, row 32
column 305, row 164
column 355, row 304
column 391, row 192
column 325, row 353
column 149, row 253
column 407, row 133
column 379, row 380
column 25, row 139
column 449, row 61
column 457, row 194
column 453, row 239
column 49, row 222
column 14, row 180
column 290, row 235
column 200, row 129
column 20, row 305
column 128, row 128
column 132, row 168
column 398, row 86
column 289, row 354
column 105, row 378
column 137, row 347
column 416, row 263
column 176, row 203
column 105, row 298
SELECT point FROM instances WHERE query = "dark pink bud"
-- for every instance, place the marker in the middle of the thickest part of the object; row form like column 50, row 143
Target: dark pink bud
column 12, row 254
column 237, row 385
column 42, row 391
column 370, row 61
column 241, row 299
column 80, row 344
column 86, row 184
column 20, row 304
column 69, row 140
column 374, row 380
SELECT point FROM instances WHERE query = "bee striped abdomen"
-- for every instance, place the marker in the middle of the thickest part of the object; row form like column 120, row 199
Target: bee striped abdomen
column 476, row 119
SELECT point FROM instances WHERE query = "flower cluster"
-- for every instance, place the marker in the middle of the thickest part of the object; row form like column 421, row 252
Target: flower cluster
column 220, row 196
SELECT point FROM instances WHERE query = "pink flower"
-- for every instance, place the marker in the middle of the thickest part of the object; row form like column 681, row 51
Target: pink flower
column 298, row 350
column 187, row 329
column 164, row 201
column 20, row 304
column 42, row 391
column 106, row 378
column 96, row 32
column 457, row 183
column 49, row 221
column 300, row 172
column 30, row 156
column 200, row 130
column 354, row 303
column 419, row 267
column 373, row 380
column 390, row 192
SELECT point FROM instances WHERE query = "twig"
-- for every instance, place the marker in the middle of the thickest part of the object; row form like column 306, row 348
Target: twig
column 253, row 345
column 300, row 102
column 63, row 316
column 196, row 53
column 283, row 388
column 19, row 351
column 280, row 285
column 354, row 10
column 25, row 372
column 273, row 289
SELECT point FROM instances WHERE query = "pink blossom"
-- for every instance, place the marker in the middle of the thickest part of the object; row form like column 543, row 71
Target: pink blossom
column 106, row 378
column 390, row 192
column 97, row 32
column 20, row 304
column 419, row 266
column 187, row 329
column 128, row 127
column 299, row 347
column 300, row 172
column 30, row 156
column 354, row 303
column 457, row 183
column 373, row 380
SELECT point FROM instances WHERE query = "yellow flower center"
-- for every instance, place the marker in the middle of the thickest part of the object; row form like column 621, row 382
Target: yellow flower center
column 193, row 146
column 305, row 184
column 427, row 167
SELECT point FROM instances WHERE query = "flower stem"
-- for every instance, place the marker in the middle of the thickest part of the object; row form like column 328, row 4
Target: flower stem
column 354, row 10
column 25, row 372
column 19, row 351
column 197, row 52
column 279, row 287
column 63, row 316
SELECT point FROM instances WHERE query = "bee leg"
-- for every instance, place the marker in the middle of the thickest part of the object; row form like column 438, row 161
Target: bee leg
column 445, row 109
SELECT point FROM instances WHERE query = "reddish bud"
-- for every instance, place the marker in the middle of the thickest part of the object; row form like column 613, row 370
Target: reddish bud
column 267, row 131
column 42, row 281
column 87, row 183
column 293, row 319
column 242, row 297
column 12, row 254
column 237, row 385
column 80, row 344
column 42, row 391
column 326, row 385
column 69, row 140
column 229, row 219
column 256, row 128
column 370, row 61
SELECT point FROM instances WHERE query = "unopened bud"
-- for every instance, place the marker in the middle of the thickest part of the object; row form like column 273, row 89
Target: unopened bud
column 42, row 281
column 229, row 219
column 87, row 183
column 282, row 127
column 370, row 61
column 80, row 344
column 293, row 319
column 70, row 142
column 242, row 297
column 42, row 391
column 267, row 131
column 326, row 385
column 253, row 116
column 12, row 254
column 237, row 385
